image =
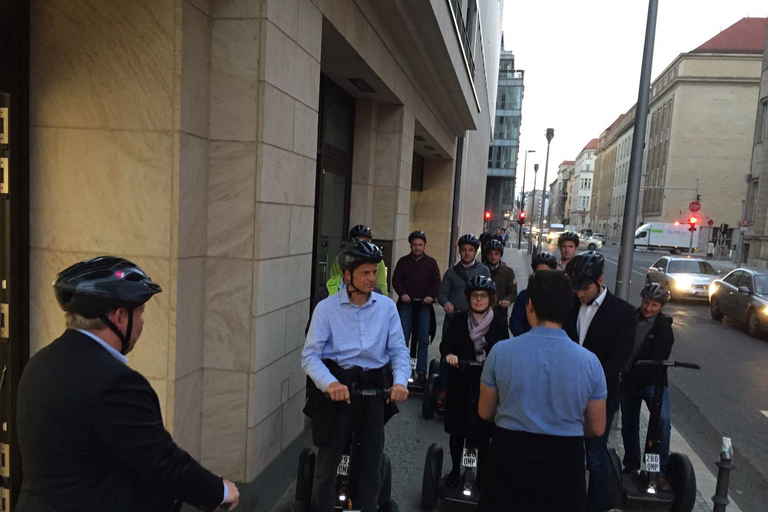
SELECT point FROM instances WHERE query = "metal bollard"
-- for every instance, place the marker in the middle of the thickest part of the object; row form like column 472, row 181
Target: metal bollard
column 725, row 465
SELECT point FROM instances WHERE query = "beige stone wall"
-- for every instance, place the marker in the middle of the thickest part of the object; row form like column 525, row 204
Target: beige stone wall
column 431, row 209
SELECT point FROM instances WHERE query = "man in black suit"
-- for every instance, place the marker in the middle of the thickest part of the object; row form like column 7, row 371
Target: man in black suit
column 90, row 430
column 605, row 325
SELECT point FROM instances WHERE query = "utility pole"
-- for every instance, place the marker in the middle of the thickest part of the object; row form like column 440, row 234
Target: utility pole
column 550, row 135
column 624, row 271
column 529, row 249
column 522, row 199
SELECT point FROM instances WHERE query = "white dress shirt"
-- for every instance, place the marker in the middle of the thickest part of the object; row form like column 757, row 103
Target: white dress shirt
column 587, row 313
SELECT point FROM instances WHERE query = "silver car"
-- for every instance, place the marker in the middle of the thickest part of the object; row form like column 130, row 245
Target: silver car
column 591, row 243
column 743, row 296
column 684, row 277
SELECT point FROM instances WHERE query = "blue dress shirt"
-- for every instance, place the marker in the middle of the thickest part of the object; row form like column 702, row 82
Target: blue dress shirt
column 367, row 336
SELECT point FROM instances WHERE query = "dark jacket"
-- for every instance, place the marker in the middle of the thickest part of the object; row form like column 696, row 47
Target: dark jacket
column 417, row 279
column 657, row 345
column 454, row 283
column 506, row 287
column 92, row 437
column 518, row 320
column 464, row 385
column 610, row 337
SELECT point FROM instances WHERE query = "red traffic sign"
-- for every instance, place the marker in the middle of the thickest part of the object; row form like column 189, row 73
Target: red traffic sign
column 694, row 206
column 710, row 222
column 744, row 223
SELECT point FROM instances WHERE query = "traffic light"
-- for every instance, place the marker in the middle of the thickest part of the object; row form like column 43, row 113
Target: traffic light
column 692, row 223
column 487, row 216
column 521, row 218
column 698, row 197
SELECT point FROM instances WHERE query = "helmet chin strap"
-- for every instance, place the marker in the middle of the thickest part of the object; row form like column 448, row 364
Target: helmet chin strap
column 124, row 338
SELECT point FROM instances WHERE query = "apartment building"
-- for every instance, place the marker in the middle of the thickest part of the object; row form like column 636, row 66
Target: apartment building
column 581, row 192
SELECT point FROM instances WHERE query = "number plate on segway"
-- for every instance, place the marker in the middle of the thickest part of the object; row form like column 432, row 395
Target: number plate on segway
column 652, row 462
column 343, row 468
column 469, row 458
column 413, row 363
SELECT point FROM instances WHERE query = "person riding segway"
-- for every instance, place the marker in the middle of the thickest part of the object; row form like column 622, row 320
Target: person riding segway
column 503, row 276
column 518, row 320
column 464, row 348
column 355, row 338
column 416, row 280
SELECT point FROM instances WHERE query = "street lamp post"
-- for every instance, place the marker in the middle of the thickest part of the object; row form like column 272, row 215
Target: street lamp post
column 550, row 135
column 529, row 249
column 522, row 200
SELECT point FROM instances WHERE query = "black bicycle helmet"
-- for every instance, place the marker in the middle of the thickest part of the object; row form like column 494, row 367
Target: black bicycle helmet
column 469, row 239
column 654, row 291
column 546, row 258
column 495, row 245
column 417, row 234
column 480, row 283
column 360, row 230
column 356, row 252
column 585, row 268
column 568, row 236
column 92, row 288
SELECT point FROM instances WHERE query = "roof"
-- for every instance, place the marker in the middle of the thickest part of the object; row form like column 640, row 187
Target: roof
column 745, row 36
column 591, row 145
column 616, row 122
column 568, row 162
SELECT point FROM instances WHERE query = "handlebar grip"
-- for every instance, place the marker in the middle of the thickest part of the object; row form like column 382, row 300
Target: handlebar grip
column 688, row 365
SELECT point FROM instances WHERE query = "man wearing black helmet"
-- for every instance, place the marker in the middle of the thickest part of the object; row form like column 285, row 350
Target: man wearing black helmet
column 605, row 325
column 518, row 320
column 417, row 281
column 90, row 430
column 654, row 340
column 503, row 277
column 568, row 243
column 451, row 295
column 355, row 339
column 335, row 279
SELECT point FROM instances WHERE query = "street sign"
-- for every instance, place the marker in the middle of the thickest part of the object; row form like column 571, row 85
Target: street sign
column 710, row 222
column 744, row 223
column 694, row 206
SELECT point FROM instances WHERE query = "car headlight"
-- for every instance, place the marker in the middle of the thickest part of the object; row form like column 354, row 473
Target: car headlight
column 682, row 283
column 713, row 289
column 765, row 310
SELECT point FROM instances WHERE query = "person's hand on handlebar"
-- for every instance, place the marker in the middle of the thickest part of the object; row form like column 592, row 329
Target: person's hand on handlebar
column 405, row 298
column 428, row 300
column 452, row 360
column 504, row 303
column 338, row 392
column 398, row 393
column 448, row 308
column 233, row 496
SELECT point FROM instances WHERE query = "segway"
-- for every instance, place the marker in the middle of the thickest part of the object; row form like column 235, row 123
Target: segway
column 640, row 486
column 433, row 486
column 347, row 473
column 429, row 404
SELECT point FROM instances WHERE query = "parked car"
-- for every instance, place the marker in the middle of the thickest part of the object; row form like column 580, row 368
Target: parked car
column 742, row 295
column 590, row 243
column 682, row 276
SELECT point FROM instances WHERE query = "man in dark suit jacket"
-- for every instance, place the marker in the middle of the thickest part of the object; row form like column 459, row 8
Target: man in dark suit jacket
column 605, row 325
column 90, row 430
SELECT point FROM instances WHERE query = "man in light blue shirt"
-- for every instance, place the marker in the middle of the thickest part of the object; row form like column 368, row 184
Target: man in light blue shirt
column 355, row 339
column 546, row 394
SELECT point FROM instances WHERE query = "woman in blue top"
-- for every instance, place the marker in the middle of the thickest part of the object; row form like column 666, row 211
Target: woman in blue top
column 518, row 322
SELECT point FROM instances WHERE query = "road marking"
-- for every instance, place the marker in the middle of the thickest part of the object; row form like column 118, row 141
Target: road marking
column 765, row 413
column 641, row 274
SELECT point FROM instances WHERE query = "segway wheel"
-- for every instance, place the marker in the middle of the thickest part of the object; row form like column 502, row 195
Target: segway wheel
column 388, row 506
column 429, row 397
column 434, row 367
column 433, row 466
column 682, row 478
column 385, row 494
column 616, row 496
column 305, row 476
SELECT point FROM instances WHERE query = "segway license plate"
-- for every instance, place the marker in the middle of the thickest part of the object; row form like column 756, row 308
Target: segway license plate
column 413, row 363
column 652, row 462
column 469, row 458
column 343, row 468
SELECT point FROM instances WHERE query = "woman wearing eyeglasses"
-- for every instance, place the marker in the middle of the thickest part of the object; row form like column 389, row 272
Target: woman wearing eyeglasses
column 470, row 337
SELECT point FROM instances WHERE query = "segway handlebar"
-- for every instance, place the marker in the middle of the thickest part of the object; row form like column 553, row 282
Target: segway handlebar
column 465, row 363
column 674, row 364
column 369, row 393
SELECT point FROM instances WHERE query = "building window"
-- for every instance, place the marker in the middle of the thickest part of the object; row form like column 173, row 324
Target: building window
column 751, row 204
column 506, row 68
column 510, row 97
column 502, row 157
column 506, row 128
column 762, row 132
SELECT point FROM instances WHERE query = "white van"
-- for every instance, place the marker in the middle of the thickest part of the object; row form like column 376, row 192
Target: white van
column 665, row 236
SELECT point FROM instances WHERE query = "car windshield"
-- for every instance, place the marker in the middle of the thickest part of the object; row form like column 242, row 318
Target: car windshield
column 761, row 284
column 691, row 267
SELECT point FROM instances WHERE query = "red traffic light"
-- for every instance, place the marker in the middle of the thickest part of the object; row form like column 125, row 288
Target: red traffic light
column 522, row 215
column 487, row 215
column 692, row 221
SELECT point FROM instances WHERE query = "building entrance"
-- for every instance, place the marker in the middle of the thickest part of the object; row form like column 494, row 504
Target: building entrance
column 334, row 177
column 14, row 234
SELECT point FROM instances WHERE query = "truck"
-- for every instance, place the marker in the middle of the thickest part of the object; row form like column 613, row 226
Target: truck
column 674, row 238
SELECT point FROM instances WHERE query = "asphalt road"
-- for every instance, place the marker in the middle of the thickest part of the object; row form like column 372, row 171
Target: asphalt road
column 726, row 397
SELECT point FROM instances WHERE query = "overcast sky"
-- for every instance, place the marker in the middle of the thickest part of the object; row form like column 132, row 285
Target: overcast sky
column 582, row 62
